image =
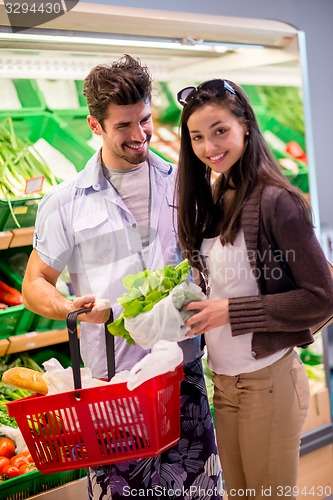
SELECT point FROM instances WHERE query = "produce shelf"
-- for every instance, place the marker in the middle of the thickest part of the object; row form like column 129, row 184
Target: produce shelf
column 5, row 239
column 22, row 237
column 70, row 92
column 29, row 95
column 32, row 340
column 35, row 482
column 3, row 346
column 34, row 126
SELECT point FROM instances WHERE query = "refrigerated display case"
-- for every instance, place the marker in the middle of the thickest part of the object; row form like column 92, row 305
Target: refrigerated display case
column 179, row 50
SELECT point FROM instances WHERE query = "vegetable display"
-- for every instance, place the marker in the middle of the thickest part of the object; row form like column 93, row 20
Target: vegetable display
column 7, row 393
column 19, row 162
column 145, row 290
column 15, row 458
column 11, row 464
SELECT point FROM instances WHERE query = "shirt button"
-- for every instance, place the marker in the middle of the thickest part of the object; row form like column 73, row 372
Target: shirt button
column 254, row 354
column 96, row 187
column 134, row 225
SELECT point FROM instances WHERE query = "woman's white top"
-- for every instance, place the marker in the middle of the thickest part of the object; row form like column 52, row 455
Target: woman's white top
column 230, row 275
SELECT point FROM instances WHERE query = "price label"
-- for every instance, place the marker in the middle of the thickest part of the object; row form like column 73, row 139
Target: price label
column 34, row 184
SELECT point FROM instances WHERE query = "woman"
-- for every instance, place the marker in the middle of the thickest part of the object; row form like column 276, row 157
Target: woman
column 250, row 234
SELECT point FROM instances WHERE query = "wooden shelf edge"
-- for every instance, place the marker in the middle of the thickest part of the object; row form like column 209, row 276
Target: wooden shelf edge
column 5, row 239
column 4, row 344
column 22, row 237
column 33, row 340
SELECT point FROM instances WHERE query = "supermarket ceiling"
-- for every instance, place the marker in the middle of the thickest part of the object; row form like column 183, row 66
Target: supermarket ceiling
column 172, row 44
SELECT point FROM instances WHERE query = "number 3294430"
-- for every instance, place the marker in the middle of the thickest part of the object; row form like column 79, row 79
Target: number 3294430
column 34, row 8
column 314, row 491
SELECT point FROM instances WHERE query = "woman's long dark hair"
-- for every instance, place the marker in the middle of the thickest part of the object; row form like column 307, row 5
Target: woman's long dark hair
column 202, row 212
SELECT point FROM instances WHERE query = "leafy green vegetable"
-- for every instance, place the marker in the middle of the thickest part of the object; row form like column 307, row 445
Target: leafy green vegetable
column 18, row 359
column 18, row 163
column 145, row 290
column 4, row 417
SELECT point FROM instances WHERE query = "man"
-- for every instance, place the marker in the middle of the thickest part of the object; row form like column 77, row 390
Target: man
column 115, row 218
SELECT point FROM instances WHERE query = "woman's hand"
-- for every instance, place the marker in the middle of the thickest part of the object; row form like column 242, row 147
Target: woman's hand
column 210, row 314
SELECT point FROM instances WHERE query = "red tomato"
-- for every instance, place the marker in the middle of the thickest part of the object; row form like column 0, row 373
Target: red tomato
column 29, row 467
column 294, row 149
column 3, row 461
column 9, row 471
column 7, row 447
column 18, row 460
column 28, row 455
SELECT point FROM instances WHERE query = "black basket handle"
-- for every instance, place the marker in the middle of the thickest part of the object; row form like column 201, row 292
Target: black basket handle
column 74, row 347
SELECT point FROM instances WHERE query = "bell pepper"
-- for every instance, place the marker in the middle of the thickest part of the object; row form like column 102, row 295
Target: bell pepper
column 10, row 295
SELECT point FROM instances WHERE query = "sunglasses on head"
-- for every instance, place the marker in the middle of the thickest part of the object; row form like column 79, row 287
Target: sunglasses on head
column 186, row 94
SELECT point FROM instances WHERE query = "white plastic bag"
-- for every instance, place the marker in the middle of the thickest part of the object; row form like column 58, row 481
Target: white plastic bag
column 164, row 357
column 166, row 320
column 59, row 379
column 16, row 435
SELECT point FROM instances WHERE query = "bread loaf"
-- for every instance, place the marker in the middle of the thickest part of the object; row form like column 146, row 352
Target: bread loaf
column 25, row 378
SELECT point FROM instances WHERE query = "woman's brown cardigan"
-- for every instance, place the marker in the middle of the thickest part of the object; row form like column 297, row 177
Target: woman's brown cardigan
column 280, row 315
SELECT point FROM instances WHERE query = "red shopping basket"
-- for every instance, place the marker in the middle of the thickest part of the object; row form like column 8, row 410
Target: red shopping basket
column 99, row 426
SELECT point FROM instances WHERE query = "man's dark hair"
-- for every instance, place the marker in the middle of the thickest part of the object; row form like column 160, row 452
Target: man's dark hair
column 126, row 81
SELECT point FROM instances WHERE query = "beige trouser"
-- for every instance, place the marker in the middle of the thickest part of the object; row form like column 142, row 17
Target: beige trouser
column 259, row 419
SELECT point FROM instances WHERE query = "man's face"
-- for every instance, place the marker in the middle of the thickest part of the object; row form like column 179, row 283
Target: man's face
column 126, row 135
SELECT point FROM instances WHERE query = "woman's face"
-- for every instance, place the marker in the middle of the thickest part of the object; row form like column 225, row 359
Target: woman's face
column 217, row 137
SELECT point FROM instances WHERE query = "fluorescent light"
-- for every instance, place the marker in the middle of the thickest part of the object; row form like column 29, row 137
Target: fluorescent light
column 115, row 42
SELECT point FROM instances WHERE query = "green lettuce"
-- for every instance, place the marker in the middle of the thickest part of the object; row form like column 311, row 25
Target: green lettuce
column 145, row 289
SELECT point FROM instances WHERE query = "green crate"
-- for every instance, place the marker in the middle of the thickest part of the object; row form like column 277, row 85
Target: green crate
column 23, row 210
column 41, row 324
column 256, row 98
column 59, row 351
column 82, row 100
column 46, row 125
column 29, row 94
column 15, row 320
column 35, row 482
column 286, row 134
column 82, row 103
column 76, row 120
column 12, row 277
column 301, row 179
column 168, row 109
column 34, row 126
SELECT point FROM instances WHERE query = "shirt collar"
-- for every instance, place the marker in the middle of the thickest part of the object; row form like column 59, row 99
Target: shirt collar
column 92, row 174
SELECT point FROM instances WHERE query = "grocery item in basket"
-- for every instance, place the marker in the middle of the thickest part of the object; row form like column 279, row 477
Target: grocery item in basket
column 164, row 357
column 25, row 378
column 59, row 379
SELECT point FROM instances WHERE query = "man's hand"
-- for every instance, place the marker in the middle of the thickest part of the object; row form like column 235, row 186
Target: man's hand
column 100, row 309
